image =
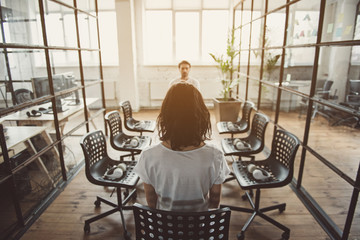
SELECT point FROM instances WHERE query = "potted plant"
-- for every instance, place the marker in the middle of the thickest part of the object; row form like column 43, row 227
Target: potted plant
column 226, row 107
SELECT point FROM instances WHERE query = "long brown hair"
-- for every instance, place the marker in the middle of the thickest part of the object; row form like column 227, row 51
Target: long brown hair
column 184, row 120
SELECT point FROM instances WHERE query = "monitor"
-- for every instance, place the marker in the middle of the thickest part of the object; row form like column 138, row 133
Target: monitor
column 60, row 82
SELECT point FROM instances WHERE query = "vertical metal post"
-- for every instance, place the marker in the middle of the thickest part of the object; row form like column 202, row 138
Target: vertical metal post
column 262, row 55
column 278, row 99
column 241, row 21
column 52, row 92
column 13, row 188
column 101, row 69
column 8, row 86
column 312, row 93
column 248, row 63
column 352, row 207
column 86, row 114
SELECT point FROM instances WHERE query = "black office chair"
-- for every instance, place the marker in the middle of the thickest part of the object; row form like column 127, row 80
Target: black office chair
column 241, row 126
column 23, row 95
column 250, row 145
column 279, row 166
column 322, row 91
column 353, row 97
column 97, row 162
column 135, row 125
column 123, row 142
column 158, row 224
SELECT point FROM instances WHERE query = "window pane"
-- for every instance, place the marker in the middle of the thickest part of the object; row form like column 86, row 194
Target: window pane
column 259, row 6
column 215, row 4
column 276, row 4
column 339, row 21
column 108, row 38
column 187, row 4
column 88, row 31
column 304, row 28
column 60, row 26
column 158, row 37
column 157, row 4
column 87, row 5
column 106, row 4
column 275, row 24
column 20, row 23
column 187, row 35
column 214, row 33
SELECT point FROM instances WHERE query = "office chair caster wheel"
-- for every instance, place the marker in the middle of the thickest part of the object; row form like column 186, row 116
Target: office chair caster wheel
column 127, row 235
column 87, row 228
column 240, row 236
column 97, row 203
column 285, row 236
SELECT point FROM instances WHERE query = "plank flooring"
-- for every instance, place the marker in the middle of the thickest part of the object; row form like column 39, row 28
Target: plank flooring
column 64, row 218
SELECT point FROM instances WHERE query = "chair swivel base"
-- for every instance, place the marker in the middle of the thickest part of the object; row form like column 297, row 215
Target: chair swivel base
column 256, row 211
column 116, row 208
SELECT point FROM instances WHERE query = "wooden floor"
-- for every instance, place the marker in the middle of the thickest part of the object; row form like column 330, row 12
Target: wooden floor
column 64, row 218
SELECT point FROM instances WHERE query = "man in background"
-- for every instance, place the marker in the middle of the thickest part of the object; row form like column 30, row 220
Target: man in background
column 184, row 69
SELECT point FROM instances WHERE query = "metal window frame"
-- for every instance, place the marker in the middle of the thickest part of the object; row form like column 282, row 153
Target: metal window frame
column 25, row 222
column 315, row 209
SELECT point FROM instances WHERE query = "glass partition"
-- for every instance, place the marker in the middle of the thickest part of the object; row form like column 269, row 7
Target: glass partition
column 60, row 25
column 19, row 67
column 27, row 63
column 20, row 25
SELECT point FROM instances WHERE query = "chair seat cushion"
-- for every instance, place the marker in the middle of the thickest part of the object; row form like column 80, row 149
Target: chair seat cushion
column 246, row 180
column 121, row 142
column 140, row 126
column 230, row 127
column 249, row 147
column 98, row 170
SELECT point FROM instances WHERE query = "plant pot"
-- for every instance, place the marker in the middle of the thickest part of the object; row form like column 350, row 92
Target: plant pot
column 226, row 110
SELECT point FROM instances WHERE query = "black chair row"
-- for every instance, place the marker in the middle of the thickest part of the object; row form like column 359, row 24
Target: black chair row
column 157, row 224
column 104, row 171
column 273, row 172
column 149, row 223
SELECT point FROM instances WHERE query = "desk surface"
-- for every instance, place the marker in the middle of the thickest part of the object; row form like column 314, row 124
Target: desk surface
column 21, row 134
column 71, row 110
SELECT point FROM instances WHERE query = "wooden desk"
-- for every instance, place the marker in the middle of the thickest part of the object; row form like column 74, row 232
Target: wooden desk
column 21, row 135
column 47, row 119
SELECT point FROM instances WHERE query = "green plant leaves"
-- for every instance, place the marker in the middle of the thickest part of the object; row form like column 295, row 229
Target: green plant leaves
column 226, row 66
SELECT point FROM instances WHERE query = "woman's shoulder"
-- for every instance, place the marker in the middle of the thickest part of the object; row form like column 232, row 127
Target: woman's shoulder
column 152, row 148
column 212, row 147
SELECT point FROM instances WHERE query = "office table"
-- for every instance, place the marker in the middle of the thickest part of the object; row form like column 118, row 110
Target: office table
column 47, row 119
column 289, row 101
column 22, row 134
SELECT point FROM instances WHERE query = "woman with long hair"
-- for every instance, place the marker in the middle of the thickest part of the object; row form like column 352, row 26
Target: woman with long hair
column 183, row 172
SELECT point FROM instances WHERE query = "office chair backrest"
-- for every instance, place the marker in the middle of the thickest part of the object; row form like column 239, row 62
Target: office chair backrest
column 93, row 145
column 326, row 89
column 23, row 95
column 157, row 224
column 327, row 85
column 126, row 108
column 283, row 152
column 246, row 112
column 354, row 87
column 259, row 125
column 113, row 119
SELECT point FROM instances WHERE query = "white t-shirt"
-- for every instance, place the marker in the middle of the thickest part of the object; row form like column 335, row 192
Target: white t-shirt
column 182, row 179
column 190, row 80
